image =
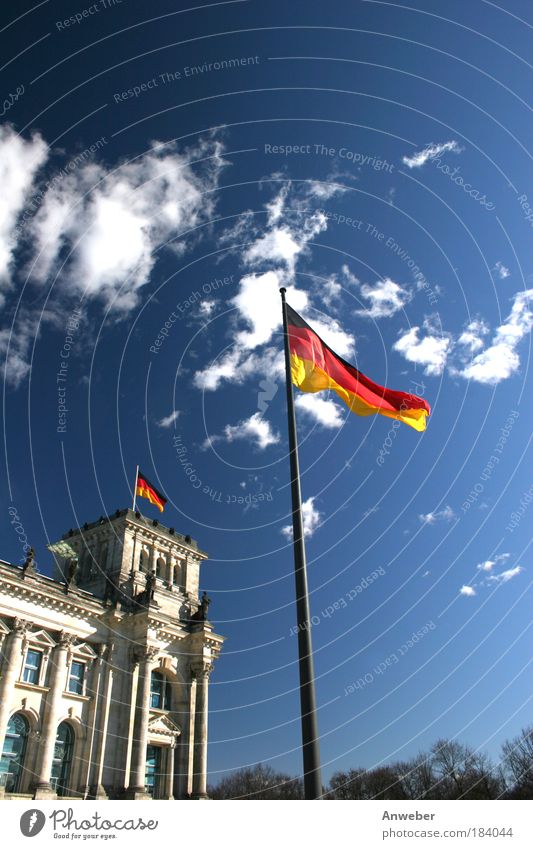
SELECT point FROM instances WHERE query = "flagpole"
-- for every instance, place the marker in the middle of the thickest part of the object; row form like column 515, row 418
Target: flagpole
column 135, row 489
column 311, row 751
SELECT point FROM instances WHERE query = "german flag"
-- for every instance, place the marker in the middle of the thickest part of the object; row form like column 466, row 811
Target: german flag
column 145, row 489
column 314, row 366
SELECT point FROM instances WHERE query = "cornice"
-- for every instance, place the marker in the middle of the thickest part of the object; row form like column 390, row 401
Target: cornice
column 48, row 593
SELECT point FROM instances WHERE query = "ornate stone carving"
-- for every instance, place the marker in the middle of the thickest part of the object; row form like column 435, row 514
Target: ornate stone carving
column 29, row 564
column 201, row 613
column 20, row 627
column 201, row 669
column 145, row 654
column 65, row 640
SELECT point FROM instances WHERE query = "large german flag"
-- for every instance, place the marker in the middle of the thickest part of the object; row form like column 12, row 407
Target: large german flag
column 145, row 489
column 314, row 366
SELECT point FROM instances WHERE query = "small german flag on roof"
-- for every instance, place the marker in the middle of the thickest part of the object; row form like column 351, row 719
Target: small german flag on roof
column 145, row 489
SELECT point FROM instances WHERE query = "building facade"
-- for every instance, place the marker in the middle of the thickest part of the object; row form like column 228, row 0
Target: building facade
column 105, row 667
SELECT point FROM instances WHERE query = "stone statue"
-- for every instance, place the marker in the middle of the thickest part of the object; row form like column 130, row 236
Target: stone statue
column 204, row 607
column 72, row 570
column 29, row 563
column 150, row 586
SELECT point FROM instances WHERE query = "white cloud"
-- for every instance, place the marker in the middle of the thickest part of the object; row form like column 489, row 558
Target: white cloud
column 488, row 565
column 20, row 160
column 325, row 412
column 108, row 224
column 311, row 517
column 324, row 191
column 502, row 271
column 95, row 229
column 169, row 420
column 259, row 305
column 330, row 290
column 236, row 367
column 430, row 351
column 386, row 298
column 466, row 590
column 506, row 576
column 206, row 308
column 417, row 160
column 444, row 515
column 500, row 360
column 283, row 243
column 254, row 429
column 258, row 317
column 472, row 336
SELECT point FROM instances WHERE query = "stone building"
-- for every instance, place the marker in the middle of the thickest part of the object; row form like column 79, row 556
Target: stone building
column 105, row 667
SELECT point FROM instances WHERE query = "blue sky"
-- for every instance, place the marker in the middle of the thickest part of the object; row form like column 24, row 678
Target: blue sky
column 162, row 178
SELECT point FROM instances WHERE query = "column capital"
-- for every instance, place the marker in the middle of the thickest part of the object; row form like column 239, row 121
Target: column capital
column 20, row 626
column 201, row 669
column 65, row 640
column 145, row 654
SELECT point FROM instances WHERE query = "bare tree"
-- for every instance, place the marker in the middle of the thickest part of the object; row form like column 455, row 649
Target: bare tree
column 462, row 773
column 258, row 782
column 517, row 763
column 380, row 783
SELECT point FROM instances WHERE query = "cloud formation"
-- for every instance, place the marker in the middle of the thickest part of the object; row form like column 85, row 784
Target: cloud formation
column 311, row 517
column 500, row 360
column 103, row 227
column 20, row 161
column 444, row 515
column 429, row 350
column 168, row 421
column 255, row 429
column 94, row 232
column 323, row 411
column 269, row 261
column 386, row 298
column 432, row 151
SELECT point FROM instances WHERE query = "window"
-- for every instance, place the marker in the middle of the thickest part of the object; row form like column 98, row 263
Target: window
column 143, row 561
column 152, row 778
column 76, row 677
column 32, row 666
column 160, row 567
column 12, row 762
column 160, row 692
column 62, row 761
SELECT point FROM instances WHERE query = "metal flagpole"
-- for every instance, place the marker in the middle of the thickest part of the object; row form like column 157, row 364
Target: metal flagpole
column 135, row 489
column 311, row 751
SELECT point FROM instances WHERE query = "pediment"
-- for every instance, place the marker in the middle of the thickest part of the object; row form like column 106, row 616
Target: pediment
column 163, row 726
column 84, row 650
column 42, row 638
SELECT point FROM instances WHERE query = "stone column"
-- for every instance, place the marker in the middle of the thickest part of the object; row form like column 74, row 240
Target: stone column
column 10, row 672
column 140, row 731
column 171, row 566
column 57, row 682
column 97, row 790
column 201, row 671
column 170, row 771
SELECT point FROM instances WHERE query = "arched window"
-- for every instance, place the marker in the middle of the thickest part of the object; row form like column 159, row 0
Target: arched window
column 143, row 561
column 12, row 763
column 160, row 567
column 62, row 760
column 160, row 692
column 178, row 569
